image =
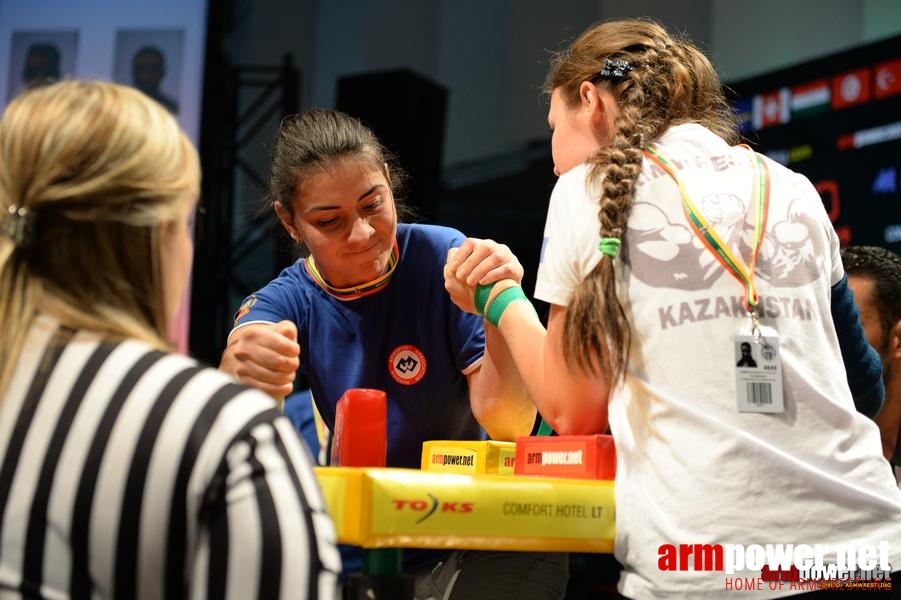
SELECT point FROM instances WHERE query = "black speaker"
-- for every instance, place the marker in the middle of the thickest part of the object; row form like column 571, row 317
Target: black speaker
column 406, row 112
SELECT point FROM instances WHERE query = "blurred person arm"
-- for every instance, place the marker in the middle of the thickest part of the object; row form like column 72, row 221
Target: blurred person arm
column 862, row 363
column 498, row 397
column 571, row 402
column 265, row 356
column 889, row 418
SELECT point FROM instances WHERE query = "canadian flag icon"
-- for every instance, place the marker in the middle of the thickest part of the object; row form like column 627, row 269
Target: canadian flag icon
column 771, row 109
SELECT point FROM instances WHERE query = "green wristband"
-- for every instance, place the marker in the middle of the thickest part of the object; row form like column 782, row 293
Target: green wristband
column 544, row 428
column 482, row 293
column 502, row 301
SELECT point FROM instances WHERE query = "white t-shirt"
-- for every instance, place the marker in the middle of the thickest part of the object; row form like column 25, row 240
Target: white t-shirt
column 691, row 469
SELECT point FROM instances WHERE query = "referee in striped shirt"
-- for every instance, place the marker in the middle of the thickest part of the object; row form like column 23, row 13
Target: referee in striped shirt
column 127, row 470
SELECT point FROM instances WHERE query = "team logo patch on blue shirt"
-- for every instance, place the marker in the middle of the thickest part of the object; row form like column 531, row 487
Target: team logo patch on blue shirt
column 245, row 308
column 407, row 364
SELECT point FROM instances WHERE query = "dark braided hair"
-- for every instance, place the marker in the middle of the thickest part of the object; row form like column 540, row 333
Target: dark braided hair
column 668, row 82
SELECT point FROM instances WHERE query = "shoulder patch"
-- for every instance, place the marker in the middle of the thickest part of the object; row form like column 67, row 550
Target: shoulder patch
column 245, row 308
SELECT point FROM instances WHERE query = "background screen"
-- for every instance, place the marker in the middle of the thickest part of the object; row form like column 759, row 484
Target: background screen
column 836, row 120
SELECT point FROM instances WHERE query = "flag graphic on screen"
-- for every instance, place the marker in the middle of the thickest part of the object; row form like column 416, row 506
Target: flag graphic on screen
column 811, row 98
column 771, row 109
column 887, row 79
column 851, row 88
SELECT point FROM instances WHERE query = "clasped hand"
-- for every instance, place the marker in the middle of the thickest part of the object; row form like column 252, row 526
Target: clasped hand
column 475, row 262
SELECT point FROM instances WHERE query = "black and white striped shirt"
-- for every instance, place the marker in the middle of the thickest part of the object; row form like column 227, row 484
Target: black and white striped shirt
column 126, row 472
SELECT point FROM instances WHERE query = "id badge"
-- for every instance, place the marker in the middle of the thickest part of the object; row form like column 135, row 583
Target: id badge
column 758, row 372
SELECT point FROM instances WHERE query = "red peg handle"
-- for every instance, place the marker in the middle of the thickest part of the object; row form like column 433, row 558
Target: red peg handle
column 361, row 429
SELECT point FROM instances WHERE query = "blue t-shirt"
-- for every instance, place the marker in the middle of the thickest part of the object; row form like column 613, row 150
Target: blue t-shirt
column 408, row 339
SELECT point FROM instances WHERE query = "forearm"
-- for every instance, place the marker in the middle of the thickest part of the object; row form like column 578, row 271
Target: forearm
column 500, row 401
column 862, row 363
column 571, row 402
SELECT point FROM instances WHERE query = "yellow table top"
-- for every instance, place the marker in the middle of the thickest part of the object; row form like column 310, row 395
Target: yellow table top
column 388, row 507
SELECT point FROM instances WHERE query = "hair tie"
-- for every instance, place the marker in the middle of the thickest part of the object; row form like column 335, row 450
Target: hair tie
column 609, row 246
column 18, row 225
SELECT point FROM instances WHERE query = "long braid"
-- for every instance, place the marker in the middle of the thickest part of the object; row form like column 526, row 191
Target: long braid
column 616, row 168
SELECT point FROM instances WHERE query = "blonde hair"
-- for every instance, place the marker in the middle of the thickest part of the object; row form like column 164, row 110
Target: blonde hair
column 668, row 81
column 95, row 168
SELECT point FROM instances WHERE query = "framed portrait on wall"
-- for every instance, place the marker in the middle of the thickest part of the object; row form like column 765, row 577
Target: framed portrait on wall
column 151, row 61
column 40, row 56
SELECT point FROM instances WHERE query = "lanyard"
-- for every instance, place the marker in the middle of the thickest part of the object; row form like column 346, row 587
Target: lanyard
column 733, row 264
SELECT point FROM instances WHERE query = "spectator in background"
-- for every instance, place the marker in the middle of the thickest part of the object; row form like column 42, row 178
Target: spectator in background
column 874, row 274
column 41, row 64
column 148, row 67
